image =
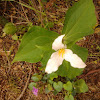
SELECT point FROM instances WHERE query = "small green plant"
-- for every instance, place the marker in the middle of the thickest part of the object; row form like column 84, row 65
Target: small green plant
column 9, row 28
column 60, row 57
column 54, row 84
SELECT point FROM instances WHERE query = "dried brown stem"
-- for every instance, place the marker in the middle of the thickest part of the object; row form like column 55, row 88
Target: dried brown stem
column 91, row 72
column 24, row 11
column 25, row 85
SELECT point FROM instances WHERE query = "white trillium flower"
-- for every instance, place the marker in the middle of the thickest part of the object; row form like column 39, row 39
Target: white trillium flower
column 62, row 53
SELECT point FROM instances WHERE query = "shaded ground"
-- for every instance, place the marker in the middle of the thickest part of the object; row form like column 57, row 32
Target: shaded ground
column 13, row 78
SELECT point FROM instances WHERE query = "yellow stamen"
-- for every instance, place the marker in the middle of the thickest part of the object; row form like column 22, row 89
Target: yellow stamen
column 61, row 52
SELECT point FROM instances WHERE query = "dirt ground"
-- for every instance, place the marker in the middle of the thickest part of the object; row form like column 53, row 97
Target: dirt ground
column 14, row 78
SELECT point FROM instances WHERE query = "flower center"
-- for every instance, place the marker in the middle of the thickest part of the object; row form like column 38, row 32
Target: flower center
column 61, row 52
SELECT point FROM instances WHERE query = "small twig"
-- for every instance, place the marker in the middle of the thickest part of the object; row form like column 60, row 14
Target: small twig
column 5, row 7
column 25, row 5
column 22, row 14
column 25, row 85
column 24, row 11
column 22, row 23
column 91, row 72
column 50, row 3
column 11, row 19
column 13, row 16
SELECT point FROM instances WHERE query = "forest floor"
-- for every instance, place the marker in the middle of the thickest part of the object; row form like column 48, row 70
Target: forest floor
column 14, row 78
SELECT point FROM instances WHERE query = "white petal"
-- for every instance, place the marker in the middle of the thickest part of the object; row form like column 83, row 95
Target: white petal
column 74, row 59
column 57, row 44
column 53, row 63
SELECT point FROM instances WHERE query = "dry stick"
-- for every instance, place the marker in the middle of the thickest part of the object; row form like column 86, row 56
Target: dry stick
column 25, row 85
column 34, row 6
column 12, row 16
column 11, row 19
column 22, row 23
column 91, row 72
column 18, row 12
column 94, row 71
column 5, row 7
column 24, row 11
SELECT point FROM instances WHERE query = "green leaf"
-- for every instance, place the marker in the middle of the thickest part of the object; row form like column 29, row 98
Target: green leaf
column 80, row 86
column 48, row 88
column 55, row 92
column 36, row 77
column 53, row 75
column 63, row 69
column 46, row 77
column 9, row 28
column 15, row 37
column 80, row 51
column 68, row 86
column 50, row 81
column 67, row 70
column 69, row 97
column 58, row 86
column 79, row 21
column 46, row 57
column 34, row 43
column 31, row 85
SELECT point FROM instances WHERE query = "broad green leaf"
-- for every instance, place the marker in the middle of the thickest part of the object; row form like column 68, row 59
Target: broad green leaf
column 68, row 86
column 53, row 75
column 44, row 42
column 63, row 69
column 69, row 97
column 58, row 86
column 31, row 85
column 79, row 21
column 46, row 57
column 67, row 70
column 34, row 43
column 80, row 86
column 80, row 51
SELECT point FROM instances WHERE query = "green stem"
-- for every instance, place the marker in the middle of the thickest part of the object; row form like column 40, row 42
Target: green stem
column 30, row 8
